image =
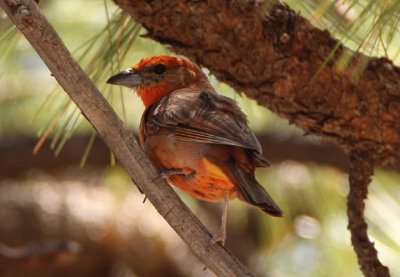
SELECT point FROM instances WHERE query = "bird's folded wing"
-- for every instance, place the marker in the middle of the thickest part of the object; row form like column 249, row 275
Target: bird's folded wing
column 201, row 116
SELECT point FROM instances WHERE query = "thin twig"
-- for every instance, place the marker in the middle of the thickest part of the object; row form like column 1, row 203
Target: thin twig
column 361, row 170
column 32, row 23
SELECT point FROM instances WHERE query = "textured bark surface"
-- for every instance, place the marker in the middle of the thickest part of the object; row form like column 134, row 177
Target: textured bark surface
column 271, row 53
column 361, row 169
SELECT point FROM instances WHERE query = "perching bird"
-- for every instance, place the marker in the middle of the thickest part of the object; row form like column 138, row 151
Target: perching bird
column 199, row 140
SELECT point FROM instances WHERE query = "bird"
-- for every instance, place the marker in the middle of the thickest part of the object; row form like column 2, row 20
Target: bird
column 199, row 140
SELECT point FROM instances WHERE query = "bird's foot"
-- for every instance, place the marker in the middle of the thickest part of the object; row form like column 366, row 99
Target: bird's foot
column 166, row 173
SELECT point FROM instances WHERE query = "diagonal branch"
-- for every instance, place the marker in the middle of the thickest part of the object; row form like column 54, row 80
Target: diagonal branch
column 361, row 169
column 28, row 18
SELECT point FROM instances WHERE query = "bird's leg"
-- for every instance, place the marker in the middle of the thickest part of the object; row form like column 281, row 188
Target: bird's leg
column 166, row 173
column 221, row 235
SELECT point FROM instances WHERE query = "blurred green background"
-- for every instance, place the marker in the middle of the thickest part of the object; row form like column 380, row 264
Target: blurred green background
column 46, row 197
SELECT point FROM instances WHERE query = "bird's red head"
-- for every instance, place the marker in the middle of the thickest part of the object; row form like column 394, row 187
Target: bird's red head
column 157, row 76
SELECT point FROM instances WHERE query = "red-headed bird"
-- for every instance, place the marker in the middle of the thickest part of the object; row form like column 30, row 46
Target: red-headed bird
column 199, row 140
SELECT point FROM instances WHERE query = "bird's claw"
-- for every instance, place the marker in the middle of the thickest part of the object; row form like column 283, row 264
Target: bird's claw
column 166, row 173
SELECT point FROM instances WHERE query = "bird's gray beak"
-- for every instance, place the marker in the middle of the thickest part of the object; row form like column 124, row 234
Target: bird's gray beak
column 128, row 78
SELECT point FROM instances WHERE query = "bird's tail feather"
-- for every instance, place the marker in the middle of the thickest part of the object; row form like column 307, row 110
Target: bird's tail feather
column 250, row 191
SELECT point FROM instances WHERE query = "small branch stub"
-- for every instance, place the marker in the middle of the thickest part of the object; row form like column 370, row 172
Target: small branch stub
column 284, row 38
column 23, row 11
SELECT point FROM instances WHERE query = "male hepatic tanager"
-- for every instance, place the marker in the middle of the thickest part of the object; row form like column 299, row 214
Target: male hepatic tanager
column 199, row 140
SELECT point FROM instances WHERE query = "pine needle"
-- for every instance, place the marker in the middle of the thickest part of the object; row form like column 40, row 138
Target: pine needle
column 88, row 148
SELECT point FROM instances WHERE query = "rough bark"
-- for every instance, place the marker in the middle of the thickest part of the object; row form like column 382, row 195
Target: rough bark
column 361, row 170
column 31, row 22
column 271, row 53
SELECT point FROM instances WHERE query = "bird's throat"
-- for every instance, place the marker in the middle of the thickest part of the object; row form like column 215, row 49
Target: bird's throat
column 150, row 94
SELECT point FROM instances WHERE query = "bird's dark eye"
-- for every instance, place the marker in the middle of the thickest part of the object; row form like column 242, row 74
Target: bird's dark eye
column 160, row 68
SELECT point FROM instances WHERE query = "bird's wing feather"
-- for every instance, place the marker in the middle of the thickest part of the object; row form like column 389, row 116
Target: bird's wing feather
column 201, row 116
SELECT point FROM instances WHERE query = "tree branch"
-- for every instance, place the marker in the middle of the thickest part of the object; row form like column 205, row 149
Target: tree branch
column 271, row 53
column 32, row 23
column 361, row 169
